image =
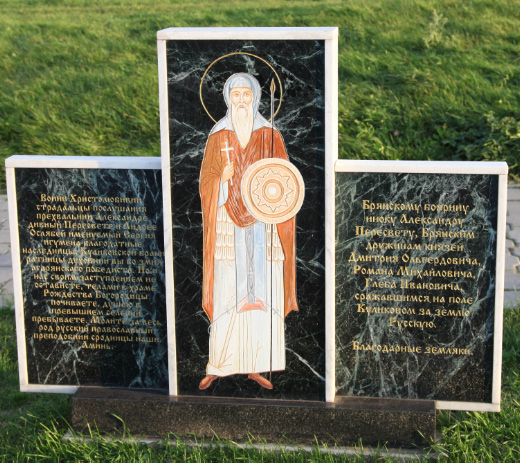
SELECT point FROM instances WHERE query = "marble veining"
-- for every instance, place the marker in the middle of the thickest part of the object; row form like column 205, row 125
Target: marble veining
column 439, row 376
column 135, row 364
column 300, row 66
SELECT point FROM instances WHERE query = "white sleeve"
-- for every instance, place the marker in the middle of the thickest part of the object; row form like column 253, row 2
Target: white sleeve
column 223, row 192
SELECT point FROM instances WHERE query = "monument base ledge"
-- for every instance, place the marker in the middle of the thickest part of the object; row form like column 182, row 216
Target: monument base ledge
column 152, row 413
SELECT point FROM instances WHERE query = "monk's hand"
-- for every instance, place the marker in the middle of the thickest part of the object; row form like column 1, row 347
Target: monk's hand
column 228, row 172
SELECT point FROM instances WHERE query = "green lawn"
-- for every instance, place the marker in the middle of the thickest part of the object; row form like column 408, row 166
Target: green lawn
column 417, row 79
column 32, row 425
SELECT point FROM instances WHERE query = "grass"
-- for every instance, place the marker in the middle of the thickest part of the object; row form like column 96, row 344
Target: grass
column 421, row 79
column 490, row 437
column 32, row 426
column 417, row 79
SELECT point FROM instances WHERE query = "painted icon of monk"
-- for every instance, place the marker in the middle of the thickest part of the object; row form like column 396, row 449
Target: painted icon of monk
column 249, row 277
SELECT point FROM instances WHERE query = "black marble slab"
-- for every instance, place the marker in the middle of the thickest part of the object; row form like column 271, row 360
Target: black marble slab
column 92, row 260
column 300, row 120
column 395, row 423
column 415, row 285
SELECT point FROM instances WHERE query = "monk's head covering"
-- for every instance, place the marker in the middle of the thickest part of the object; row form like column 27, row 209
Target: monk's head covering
column 243, row 80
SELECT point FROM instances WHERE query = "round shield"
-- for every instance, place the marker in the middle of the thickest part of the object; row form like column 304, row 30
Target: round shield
column 273, row 190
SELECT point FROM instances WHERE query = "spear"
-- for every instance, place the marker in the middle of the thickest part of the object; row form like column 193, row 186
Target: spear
column 273, row 89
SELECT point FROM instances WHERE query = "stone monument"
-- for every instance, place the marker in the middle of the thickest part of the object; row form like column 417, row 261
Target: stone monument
column 299, row 295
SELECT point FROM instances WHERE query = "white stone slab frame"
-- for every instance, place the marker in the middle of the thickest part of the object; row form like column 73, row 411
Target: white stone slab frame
column 52, row 162
column 462, row 168
column 330, row 36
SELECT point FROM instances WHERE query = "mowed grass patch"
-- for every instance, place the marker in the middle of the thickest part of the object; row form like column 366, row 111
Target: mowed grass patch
column 417, row 79
column 32, row 426
column 489, row 437
column 403, row 97
column 23, row 417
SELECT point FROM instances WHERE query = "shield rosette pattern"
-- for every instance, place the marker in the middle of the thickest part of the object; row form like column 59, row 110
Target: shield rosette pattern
column 273, row 190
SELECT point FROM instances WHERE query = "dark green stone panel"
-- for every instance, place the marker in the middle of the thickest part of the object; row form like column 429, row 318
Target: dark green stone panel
column 398, row 333
column 88, row 262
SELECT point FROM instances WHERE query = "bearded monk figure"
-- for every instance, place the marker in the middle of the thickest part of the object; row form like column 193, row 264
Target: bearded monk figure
column 248, row 266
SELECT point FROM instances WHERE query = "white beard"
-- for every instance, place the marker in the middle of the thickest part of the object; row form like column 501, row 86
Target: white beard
column 242, row 120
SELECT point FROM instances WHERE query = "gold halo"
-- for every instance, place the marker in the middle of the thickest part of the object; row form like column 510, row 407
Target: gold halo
column 239, row 53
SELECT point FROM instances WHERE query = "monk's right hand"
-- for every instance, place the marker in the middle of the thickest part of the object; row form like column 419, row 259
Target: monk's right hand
column 228, row 172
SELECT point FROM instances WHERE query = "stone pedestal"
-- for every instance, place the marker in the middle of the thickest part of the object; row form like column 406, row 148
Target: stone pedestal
column 394, row 422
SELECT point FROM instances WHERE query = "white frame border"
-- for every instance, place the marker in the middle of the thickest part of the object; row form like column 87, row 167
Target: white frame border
column 53, row 162
column 330, row 36
column 461, row 168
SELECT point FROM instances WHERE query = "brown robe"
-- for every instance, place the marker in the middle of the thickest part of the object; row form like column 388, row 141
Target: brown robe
column 259, row 147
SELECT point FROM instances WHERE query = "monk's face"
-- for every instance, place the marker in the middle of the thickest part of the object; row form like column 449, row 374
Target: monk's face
column 241, row 97
column 242, row 116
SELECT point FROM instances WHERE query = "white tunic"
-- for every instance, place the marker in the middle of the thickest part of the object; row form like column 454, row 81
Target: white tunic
column 247, row 331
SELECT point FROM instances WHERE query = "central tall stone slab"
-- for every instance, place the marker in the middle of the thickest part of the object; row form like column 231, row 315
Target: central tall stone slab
column 248, row 284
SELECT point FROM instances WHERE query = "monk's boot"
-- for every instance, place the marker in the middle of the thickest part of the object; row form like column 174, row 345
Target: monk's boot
column 206, row 382
column 260, row 380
